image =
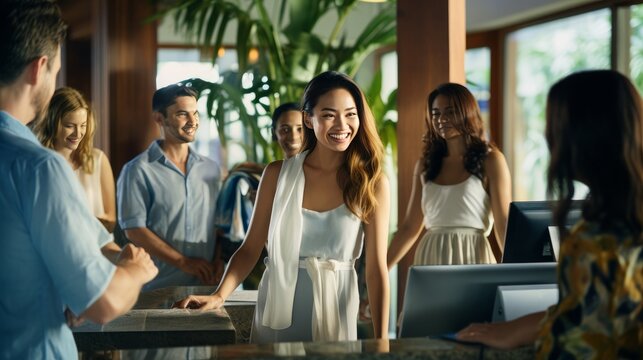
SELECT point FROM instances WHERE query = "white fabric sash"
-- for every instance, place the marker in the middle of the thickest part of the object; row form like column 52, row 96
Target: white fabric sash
column 284, row 238
column 327, row 324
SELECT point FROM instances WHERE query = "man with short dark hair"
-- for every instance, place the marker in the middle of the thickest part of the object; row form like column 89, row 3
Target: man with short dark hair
column 166, row 196
column 50, row 259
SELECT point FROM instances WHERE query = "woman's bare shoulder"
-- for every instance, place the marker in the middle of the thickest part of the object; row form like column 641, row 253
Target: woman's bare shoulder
column 383, row 184
column 271, row 172
column 495, row 158
column 98, row 153
column 418, row 167
column 496, row 167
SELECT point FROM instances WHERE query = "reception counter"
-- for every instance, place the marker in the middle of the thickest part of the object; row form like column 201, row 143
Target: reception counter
column 411, row 348
column 153, row 330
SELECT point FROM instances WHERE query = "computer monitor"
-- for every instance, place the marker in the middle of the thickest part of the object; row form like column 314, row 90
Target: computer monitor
column 527, row 238
column 442, row 299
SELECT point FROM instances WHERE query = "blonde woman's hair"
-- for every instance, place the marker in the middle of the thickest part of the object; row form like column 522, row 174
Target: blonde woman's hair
column 362, row 168
column 65, row 101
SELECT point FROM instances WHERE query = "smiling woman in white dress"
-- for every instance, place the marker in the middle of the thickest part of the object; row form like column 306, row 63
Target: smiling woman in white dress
column 316, row 210
column 461, row 184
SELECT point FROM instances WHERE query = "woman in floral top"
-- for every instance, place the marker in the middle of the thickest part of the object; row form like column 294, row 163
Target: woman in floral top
column 595, row 136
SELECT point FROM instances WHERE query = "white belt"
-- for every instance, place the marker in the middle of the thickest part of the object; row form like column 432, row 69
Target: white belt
column 329, row 264
column 323, row 264
column 455, row 230
column 326, row 321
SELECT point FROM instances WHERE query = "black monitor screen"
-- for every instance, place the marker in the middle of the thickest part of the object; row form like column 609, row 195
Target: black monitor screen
column 441, row 299
column 527, row 238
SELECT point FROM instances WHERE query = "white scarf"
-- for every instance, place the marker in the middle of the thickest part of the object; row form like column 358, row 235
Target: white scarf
column 284, row 238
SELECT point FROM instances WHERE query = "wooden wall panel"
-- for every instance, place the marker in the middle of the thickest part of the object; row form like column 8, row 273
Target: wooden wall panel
column 131, row 53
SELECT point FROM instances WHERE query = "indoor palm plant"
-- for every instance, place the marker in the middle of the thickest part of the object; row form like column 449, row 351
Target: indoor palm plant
column 290, row 54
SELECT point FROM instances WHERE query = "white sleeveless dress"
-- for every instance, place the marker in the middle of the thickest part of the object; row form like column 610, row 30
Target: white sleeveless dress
column 91, row 184
column 334, row 235
column 458, row 220
column 309, row 289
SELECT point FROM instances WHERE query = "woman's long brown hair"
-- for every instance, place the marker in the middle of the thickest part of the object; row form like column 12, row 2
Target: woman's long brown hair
column 467, row 120
column 362, row 168
column 595, row 135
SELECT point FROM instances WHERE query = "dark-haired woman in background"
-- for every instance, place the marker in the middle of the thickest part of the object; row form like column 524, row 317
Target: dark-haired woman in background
column 595, row 136
column 460, row 185
column 288, row 129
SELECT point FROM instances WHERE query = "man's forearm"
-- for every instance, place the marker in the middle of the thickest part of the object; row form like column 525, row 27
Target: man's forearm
column 154, row 245
column 134, row 268
column 120, row 296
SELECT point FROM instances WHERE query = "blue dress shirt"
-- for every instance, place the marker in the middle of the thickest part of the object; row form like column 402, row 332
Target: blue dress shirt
column 50, row 256
column 179, row 208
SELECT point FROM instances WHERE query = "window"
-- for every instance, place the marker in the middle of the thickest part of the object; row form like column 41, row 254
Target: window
column 477, row 64
column 477, row 70
column 536, row 57
column 388, row 64
column 636, row 45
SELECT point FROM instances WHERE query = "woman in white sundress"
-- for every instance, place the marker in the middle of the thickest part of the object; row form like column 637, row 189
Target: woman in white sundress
column 316, row 210
column 460, row 185
column 68, row 128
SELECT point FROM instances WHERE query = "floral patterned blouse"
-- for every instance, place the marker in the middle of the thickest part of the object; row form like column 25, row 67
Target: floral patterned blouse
column 600, row 310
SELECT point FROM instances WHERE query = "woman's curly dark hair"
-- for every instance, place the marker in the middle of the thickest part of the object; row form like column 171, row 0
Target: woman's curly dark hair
column 467, row 120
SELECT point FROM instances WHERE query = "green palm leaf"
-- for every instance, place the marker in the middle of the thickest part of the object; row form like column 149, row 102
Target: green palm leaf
column 290, row 55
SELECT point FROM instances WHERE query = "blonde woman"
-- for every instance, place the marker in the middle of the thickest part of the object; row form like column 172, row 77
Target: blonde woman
column 68, row 128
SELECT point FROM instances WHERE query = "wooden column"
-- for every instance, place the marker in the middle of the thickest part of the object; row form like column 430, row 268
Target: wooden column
column 131, row 60
column 430, row 48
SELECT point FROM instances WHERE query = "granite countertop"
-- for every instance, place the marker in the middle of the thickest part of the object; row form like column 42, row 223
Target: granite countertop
column 153, row 323
column 164, row 298
column 156, row 327
column 239, row 306
column 409, row 348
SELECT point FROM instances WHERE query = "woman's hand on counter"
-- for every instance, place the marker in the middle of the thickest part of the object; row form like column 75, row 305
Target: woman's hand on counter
column 504, row 335
column 201, row 302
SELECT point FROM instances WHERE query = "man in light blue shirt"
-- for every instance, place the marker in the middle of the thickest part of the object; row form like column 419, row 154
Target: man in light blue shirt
column 50, row 259
column 166, row 196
